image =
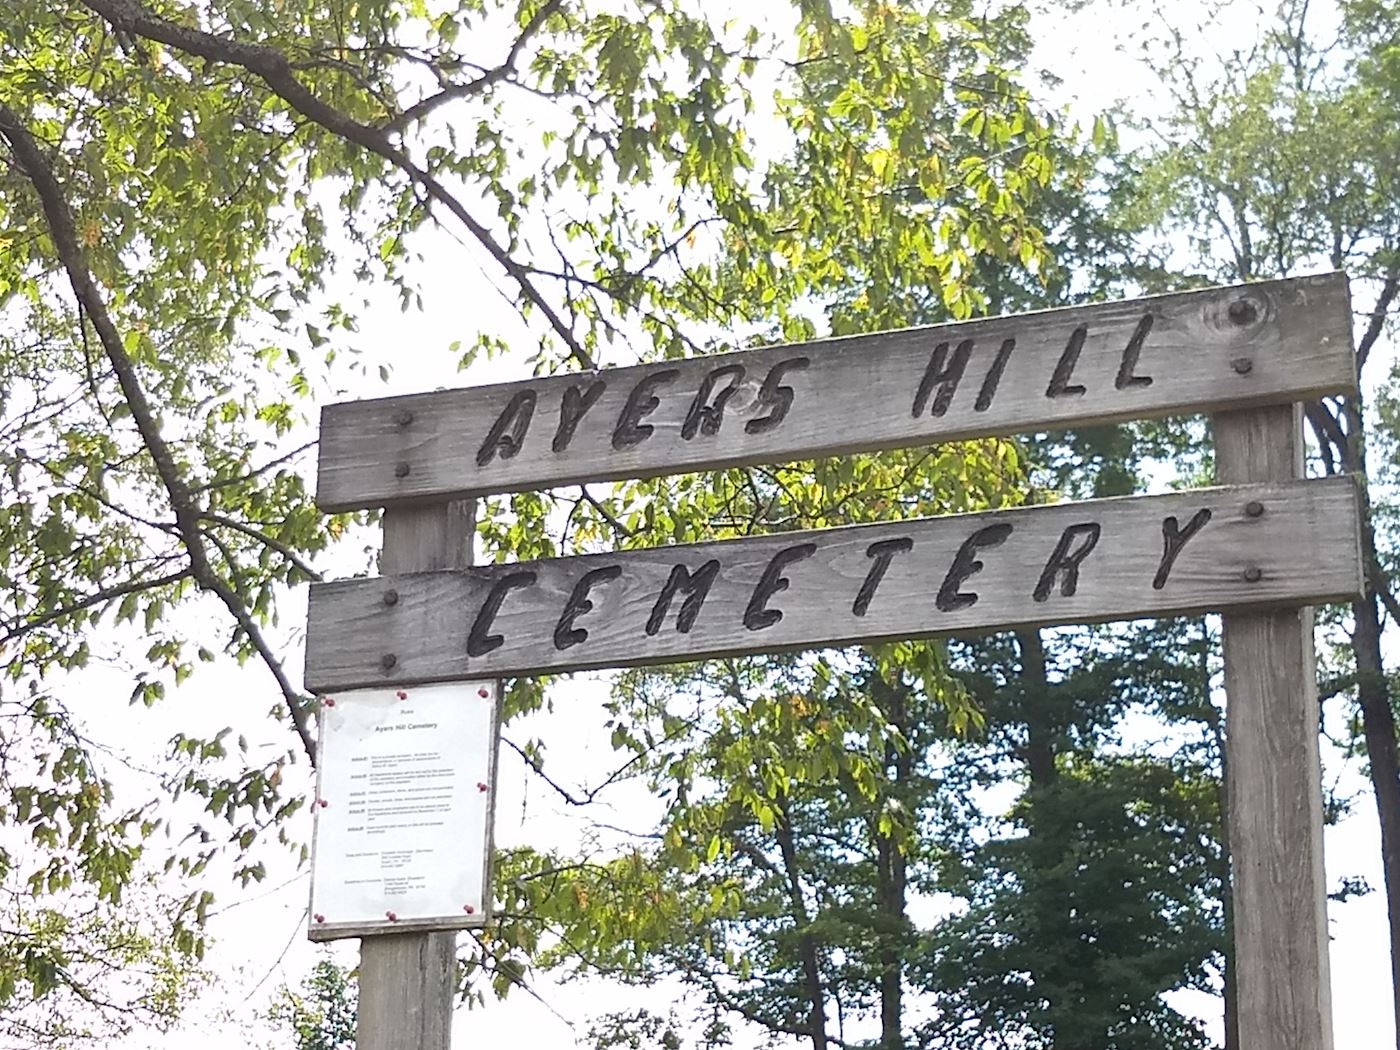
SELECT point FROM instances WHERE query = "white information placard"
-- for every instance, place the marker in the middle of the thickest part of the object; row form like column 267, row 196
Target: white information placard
column 404, row 802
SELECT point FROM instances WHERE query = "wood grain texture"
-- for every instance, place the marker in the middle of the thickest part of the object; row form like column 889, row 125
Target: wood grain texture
column 1264, row 343
column 962, row 573
column 1283, row 998
column 408, row 983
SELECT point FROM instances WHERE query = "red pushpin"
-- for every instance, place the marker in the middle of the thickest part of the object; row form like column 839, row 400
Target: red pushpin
column 483, row 692
column 322, row 803
column 401, row 695
column 482, row 788
column 329, row 702
column 319, row 918
column 468, row 909
column 391, row 916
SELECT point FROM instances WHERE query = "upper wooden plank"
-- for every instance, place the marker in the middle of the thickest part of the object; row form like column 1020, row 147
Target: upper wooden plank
column 1069, row 563
column 1268, row 343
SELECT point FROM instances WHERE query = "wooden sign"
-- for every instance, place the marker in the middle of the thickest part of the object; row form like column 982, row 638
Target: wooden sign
column 1270, row 343
column 1260, row 549
column 1069, row 563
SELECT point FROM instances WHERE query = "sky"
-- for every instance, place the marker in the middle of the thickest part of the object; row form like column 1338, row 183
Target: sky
column 259, row 934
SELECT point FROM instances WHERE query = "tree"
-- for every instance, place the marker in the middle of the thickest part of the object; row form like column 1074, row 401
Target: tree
column 188, row 195
column 808, row 798
column 1281, row 161
column 321, row 1016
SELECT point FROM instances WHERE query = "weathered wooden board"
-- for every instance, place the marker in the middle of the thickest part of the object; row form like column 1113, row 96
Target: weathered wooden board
column 1269, row 343
column 1080, row 562
column 1283, row 988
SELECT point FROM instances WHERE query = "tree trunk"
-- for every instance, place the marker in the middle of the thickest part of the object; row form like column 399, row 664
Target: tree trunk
column 1053, row 978
column 1373, row 696
column 1227, row 893
column 806, row 943
column 1378, row 726
column 892, row 882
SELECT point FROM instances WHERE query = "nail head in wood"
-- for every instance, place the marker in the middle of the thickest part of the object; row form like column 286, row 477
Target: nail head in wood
column 1242, row 312
column 402, row 470
column 1242, row 366
column 1254, row 509
column 391, row 597
column 403, row 417
column 388, row 661
column 1253, row 574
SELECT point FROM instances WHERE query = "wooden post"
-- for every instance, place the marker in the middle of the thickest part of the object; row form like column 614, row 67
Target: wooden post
column 408, row 981
column 1283, row 989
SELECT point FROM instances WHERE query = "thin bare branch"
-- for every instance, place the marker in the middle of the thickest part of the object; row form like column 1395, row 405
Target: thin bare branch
column 425, row 106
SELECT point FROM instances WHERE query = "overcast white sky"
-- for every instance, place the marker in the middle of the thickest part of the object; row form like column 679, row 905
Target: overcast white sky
column 260, row 934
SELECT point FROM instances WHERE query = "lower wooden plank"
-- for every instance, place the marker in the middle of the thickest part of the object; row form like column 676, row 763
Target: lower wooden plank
column 1205, row 549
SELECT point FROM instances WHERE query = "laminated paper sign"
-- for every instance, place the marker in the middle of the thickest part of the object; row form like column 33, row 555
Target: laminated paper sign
column 403, row 808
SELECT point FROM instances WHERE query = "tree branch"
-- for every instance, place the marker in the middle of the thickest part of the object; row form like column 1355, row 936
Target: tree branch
column 106, row 595
column 267, row 541
column 275, row 70
column 1376, row 323
column 35, row 166
column 425, row 106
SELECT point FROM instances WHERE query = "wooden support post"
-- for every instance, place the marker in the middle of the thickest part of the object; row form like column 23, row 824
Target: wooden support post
column 408, row 981
column 1283, row 994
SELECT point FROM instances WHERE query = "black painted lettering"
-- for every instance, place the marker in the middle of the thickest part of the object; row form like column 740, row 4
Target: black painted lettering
column 1173, row 539
column 481, row 641
column 758, row 616
column 990, row 383
column 630, row 429
column 704, row 416
column 1131, row 353
column 1064, row 369
column 773, row 393
column 577, row 401
column 966, row 564
column 1065, row 560
column 883, row 552
column 565, row 633
column 697, row 588
column 943, row 373
column 508, row 432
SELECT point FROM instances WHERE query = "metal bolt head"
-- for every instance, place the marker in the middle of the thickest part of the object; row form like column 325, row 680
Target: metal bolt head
column 1242, row 312
column 403, row 417
column 1254, row 509
column 388, row 661
column 1242, row 366
column 391, row 597
column 402, row 470
column 1253, row 574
